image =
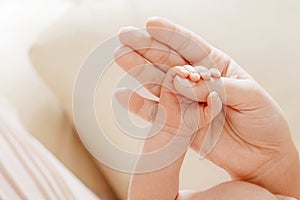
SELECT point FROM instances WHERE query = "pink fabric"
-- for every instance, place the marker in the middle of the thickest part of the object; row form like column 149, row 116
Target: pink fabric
column 28, row 170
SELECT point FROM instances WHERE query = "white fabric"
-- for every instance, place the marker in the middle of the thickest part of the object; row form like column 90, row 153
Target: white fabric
column 28, row 170
column 39, row 109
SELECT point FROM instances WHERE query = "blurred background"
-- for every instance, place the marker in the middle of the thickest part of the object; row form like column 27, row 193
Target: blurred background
column 44, row 42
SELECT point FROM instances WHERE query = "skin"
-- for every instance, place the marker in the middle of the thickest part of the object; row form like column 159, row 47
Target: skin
column 255, row 129
column 172, row 109
column 231, row 191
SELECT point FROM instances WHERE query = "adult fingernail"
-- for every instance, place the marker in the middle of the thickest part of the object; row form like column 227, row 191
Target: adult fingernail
column 184, row 82
column 214, row 95
column 122, row 95
column 126, row 29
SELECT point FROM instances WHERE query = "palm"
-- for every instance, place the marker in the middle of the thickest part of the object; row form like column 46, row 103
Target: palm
column 255, row 136
column 255, row 130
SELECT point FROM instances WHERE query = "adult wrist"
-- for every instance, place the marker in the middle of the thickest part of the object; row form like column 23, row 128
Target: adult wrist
column 281, row 175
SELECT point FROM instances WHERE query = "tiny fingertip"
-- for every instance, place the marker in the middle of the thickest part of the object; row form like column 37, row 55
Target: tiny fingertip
column 185, row 73
column 215, row 73
column 182, row 71
column 184, row 82
column 195, row 76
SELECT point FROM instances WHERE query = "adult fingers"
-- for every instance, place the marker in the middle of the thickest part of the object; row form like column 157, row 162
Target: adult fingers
column 136, row 104
column 154, row 51
column 136, row 66
column 188, row 44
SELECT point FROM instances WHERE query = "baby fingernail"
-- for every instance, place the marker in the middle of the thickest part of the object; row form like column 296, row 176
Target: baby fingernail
column 215, row 72
column 184, row 71
column 195, row 75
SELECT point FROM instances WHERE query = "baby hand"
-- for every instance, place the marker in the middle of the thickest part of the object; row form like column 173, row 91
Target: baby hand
column 174, row 113
column 175, row 109
column 198, row 72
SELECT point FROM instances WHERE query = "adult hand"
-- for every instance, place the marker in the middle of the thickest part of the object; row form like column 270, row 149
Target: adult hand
column 255, row 144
